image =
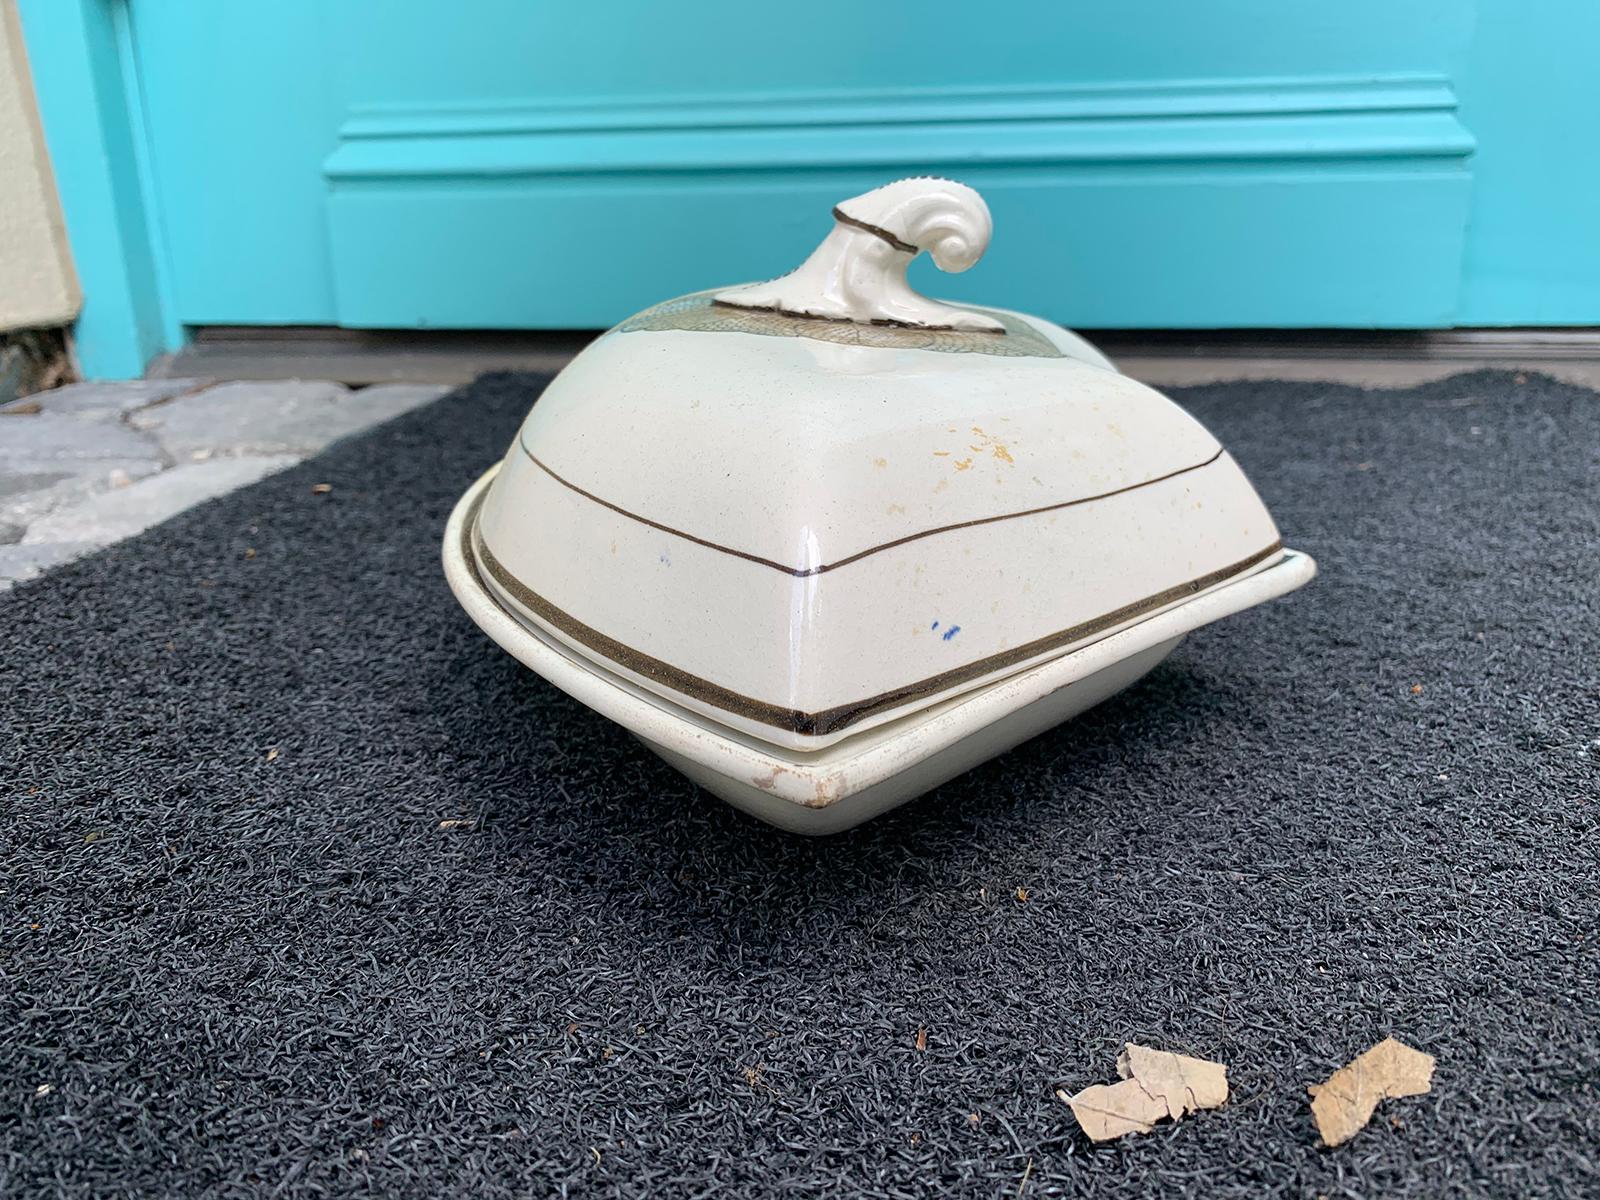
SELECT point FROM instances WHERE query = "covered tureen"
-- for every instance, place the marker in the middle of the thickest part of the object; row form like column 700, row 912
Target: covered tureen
column 823, row 543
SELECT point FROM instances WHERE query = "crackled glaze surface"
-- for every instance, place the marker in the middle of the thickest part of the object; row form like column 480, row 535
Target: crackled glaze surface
column 701, row 313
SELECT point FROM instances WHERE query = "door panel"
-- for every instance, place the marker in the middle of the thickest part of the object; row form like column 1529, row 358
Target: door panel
column 528, row 164
column 1531, row 92
column 239, row 109
column 1096, row 248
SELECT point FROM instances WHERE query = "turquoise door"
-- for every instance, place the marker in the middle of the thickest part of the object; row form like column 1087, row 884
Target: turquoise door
column 527, row 164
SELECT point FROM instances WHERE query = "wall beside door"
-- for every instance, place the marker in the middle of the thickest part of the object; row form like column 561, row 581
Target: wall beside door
column 529, row 165
column 37, row 285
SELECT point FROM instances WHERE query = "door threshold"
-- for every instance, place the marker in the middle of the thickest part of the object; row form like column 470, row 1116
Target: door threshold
column 1163, row 358
column 360, row 357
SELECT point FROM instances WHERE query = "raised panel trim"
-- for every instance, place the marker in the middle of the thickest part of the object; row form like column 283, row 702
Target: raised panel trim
column 1278, row 120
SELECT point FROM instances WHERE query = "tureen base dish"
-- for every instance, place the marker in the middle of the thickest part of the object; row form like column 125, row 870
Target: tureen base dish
column 823, row 542
column 859, row 777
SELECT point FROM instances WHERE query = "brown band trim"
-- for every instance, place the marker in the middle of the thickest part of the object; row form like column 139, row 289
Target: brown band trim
column 875, row 323
column 845, row 218
column 829, row 720
column 804, row 572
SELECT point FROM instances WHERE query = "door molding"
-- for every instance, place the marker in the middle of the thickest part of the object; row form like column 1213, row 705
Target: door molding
column 1291, row 119
column 1305, row 193
column 87, row 87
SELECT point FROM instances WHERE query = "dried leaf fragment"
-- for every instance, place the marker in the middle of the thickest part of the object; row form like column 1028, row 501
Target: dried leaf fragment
column 1184, row 1084
column 1107, row 1111
column 922, row 1038
column 1156, row 1086
column 1345, row 1103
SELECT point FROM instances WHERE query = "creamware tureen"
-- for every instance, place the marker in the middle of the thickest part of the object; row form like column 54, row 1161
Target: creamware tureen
column 823, row 543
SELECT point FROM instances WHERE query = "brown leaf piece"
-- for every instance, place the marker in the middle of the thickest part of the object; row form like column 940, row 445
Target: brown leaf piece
column 1345, row 1103
column 1107, row 1111
column 1156, row 1086
column 1184, row 1084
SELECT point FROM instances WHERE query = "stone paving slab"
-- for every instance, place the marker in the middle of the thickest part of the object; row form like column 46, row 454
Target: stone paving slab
column 112, row 516
column 29, row 494
column 46, row 438
column 109, row 400
column 281, row 417
column 20, row 563
column 92, row 463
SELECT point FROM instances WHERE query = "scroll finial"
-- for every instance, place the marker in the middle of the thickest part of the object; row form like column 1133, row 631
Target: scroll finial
column 858, row 272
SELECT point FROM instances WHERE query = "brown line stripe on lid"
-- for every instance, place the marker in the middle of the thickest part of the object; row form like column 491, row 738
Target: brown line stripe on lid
column 804, row 572
column 833, row 719
column 875, row 323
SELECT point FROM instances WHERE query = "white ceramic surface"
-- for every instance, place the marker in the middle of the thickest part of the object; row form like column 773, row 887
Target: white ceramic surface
column 811, row 518
column 856, row 779
column 858, row 273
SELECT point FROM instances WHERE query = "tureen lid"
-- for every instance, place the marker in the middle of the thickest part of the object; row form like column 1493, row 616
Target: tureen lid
column 804, row 508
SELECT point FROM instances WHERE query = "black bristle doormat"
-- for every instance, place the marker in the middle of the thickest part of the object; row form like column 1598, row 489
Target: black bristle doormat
column 310, row 890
